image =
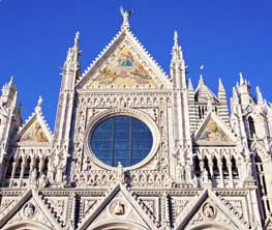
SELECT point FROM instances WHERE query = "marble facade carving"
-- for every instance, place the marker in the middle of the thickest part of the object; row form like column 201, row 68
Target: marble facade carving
column 207, row 169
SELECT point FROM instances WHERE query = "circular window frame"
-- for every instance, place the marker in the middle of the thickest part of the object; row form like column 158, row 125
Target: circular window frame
column 143, row 117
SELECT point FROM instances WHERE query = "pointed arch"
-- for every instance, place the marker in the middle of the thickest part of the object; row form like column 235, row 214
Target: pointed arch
column 225, row 167
column 215, row 168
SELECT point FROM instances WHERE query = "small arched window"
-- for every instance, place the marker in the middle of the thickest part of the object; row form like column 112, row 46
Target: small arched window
column 225, row 167
column 215, row 167
column 234, row 168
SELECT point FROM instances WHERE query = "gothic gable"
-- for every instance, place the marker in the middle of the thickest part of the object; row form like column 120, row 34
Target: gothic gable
column 203, row 93
column 115, row 209
column 29, row 210
column 208, row 211
column 213, row 131
column 124, row 64
column 35, row 130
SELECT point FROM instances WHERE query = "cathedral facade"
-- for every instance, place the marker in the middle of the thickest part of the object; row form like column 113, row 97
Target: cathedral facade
column 136, row 148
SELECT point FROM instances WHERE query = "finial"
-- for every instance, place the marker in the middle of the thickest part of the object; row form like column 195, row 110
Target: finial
column 39, row 104
column 175, row 38
column 176, row 50
column 126, row 14
column 76, row 39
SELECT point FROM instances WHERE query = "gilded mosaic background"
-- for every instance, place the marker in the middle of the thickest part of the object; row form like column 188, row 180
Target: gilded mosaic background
column 212, row 132
column 124, row 70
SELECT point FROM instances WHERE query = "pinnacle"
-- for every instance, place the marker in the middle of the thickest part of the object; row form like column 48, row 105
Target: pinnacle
column 190, row 85
column 11, row 81
column 39, row 105
column 242, row 80
column 175, row 38
column 259, row 95
column 176, row 50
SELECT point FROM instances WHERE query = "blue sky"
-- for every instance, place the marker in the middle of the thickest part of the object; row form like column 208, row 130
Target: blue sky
column 226, row 36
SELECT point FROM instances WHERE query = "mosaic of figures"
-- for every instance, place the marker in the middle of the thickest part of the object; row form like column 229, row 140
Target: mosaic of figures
column 34, row 133
column 124, row 70
column 213, row 132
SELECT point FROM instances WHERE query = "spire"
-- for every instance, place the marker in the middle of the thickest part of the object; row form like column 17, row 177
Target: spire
column 177, row 66
column 176, row 50
column 126, row 14
column 259, row 95
column 76, row 40
column 176, row 38
column 73, row 52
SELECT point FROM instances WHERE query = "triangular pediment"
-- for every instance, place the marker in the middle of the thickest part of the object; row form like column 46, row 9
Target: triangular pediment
column 124, row 64
column 30, row 210
column 35, row 130
column 212, row 130
column 119, row 208
column 208, row 211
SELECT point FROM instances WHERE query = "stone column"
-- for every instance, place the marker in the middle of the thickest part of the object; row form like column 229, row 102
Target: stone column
column 41, row 165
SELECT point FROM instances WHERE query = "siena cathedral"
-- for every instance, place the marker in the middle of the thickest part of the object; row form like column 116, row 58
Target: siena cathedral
column 135, row 148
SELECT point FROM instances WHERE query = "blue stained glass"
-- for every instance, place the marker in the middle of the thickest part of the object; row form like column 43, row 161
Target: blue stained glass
column 141, row 136
column 121, row 128
column 107, row 124
column 102, row 136
column 121, row 136
column 122, row 139
column 121, row 145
